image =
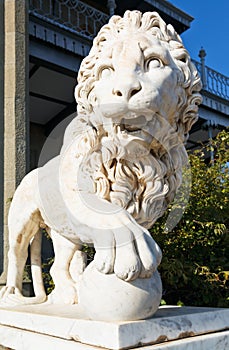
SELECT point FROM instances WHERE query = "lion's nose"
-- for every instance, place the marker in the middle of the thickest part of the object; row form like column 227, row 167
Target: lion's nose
column 126, row 89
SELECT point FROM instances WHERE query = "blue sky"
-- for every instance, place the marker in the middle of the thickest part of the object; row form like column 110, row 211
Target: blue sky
column 210, row 29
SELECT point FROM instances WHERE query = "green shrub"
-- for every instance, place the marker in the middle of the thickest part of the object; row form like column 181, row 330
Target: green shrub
column 195, row 264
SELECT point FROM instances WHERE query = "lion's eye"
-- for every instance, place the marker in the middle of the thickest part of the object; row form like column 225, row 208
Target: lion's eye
column 153, row 63
column 105, row 72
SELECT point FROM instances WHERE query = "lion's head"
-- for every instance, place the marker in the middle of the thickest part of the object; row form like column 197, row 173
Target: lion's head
column 138, row 96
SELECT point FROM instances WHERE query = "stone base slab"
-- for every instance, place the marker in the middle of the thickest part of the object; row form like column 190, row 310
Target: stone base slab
column 65, row 327
column 12, row 338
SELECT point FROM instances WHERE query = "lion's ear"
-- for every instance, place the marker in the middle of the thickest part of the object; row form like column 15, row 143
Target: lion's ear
column 173, row 34
column 191, row 85
column 196, row 84
column 190, row 113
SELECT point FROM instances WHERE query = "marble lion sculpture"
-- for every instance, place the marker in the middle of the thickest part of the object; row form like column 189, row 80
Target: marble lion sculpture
column 120, row 164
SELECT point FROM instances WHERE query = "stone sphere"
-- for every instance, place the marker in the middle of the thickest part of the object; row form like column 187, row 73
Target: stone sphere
column 106, row 297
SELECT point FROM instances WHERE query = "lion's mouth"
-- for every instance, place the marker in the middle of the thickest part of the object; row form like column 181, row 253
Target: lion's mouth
column 129, row 128
column 133, row 125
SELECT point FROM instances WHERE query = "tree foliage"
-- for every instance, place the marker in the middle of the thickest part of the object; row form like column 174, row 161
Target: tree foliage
column 195, row 264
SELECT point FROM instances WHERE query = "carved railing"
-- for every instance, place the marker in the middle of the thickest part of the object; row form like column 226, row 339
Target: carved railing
column 213, row 81
column 70, row 14
column 80, row 18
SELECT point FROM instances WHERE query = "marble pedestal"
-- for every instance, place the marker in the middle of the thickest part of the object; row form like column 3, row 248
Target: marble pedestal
column 65, row 327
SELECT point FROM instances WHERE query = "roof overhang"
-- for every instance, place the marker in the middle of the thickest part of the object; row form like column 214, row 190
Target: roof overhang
column 180, row 20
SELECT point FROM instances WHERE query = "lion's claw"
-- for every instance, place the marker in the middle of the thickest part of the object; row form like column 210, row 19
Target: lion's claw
column 127, row 267
column 129, row 275
column 104, row 260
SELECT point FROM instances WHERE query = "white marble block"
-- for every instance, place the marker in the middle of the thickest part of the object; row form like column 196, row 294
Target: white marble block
column 68, row 323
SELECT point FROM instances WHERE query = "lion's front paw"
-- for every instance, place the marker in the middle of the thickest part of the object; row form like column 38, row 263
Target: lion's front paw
column 127, row 266
column 121, row 260
column 104, row 260
column 127, row 263
column 149, row 254
column 130, row 252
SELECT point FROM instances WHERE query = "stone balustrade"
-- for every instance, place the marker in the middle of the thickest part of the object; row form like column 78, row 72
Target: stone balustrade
column 73, row 15
column 213, row 81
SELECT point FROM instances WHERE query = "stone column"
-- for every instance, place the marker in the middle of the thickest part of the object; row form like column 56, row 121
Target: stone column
column 1, row 128
column 16, row 121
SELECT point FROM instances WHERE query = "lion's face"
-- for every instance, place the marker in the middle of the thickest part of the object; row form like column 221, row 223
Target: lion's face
column 135, row 80
column 138, row 96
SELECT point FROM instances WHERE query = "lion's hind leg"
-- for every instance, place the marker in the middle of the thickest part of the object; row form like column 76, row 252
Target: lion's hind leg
column 67, row 264
column 20, row 236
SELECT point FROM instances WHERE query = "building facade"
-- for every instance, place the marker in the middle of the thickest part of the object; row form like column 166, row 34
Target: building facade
column 42, row 45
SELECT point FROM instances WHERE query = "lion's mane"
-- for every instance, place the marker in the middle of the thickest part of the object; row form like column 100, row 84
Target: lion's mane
column 129, row 183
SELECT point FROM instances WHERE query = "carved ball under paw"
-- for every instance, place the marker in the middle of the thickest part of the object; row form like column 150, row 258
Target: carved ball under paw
column 108, row 298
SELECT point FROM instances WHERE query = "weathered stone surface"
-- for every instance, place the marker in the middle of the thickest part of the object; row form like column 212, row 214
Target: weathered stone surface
column 19, row 340
column 69, row 322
